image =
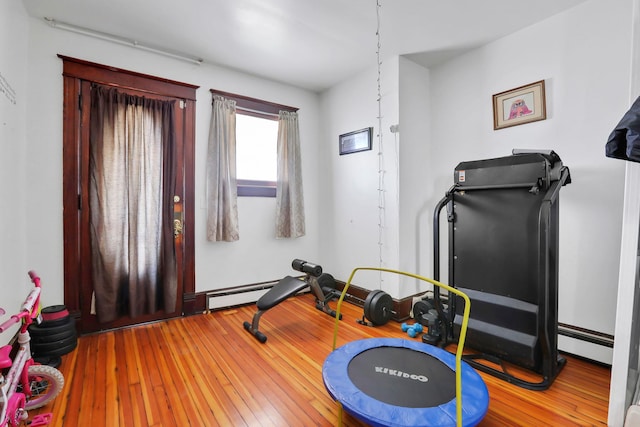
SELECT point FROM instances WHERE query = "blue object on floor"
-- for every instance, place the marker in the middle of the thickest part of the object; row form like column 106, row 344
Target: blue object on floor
column 398, row 382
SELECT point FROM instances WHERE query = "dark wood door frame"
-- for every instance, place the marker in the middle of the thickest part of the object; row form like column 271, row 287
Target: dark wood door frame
column 78, row 75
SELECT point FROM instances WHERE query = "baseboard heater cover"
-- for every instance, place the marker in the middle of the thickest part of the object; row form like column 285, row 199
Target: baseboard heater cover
column 238, row 290
column 587, row 335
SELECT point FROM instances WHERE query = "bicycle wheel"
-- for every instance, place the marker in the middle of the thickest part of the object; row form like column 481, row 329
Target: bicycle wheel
column 45, row 382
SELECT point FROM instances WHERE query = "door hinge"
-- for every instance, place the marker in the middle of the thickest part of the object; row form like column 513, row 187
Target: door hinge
column 79, row 202
column 80, row 102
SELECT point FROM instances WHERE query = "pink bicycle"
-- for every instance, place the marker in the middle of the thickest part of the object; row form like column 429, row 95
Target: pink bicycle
column 24, row 384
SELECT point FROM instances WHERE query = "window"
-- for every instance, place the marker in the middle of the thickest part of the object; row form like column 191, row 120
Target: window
column 256, row 155
column 256, row 144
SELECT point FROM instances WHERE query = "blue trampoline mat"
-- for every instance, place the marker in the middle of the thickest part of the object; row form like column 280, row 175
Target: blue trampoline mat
column 395, row 377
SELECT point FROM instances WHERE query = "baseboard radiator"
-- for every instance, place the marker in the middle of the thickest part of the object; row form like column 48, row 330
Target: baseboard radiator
column 587, row 335
column 237, row 295
column 230, row 297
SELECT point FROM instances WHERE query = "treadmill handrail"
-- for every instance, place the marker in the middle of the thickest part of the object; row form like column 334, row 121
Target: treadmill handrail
column 544, row 212
column 446, row 200
column 554, row 190
column 436, row 230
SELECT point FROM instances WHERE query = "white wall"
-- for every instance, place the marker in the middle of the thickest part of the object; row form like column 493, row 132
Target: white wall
column 258, row 256
column 583, row 56
column 14, row 263
column 349, row 185
column 416, row 189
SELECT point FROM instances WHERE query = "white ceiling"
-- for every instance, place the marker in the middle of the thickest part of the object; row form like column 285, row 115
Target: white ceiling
column 310, row 44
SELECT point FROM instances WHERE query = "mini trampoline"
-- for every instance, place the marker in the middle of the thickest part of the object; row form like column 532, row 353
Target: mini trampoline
column 399, row 382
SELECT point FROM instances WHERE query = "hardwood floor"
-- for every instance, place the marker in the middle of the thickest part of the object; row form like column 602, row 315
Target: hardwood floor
column 206, row 370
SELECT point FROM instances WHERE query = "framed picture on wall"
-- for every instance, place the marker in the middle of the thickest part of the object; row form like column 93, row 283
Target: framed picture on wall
column 524, row 104
column 353, row 142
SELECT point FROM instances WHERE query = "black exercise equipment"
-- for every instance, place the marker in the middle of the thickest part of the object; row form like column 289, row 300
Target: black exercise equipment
column 378, row 306
column 503, row 253
column 425, row 313
column 315, row 279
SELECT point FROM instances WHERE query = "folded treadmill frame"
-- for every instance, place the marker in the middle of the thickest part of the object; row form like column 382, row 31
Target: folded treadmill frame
column 502, row 219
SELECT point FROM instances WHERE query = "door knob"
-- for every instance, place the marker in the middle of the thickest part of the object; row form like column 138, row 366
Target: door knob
column 177, row 227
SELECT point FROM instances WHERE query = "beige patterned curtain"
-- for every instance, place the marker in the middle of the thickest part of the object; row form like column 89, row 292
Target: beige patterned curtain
column 290, row 220
column 222, row 193
column 132, row 175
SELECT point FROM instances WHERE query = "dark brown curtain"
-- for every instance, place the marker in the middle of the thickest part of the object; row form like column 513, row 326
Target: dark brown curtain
column 132, row 182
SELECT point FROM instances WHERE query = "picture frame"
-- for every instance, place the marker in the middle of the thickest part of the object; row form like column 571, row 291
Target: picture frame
column 524, row 104
column 356, row 141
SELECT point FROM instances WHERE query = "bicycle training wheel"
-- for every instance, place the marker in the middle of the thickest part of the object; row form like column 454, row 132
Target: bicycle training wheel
column 45, row 382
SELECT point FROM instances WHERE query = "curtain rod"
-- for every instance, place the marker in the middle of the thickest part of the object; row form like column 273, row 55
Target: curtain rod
column 122, row 41
column 255, row 104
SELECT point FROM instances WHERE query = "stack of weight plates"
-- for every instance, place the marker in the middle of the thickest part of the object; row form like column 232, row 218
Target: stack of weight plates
column 54, row 337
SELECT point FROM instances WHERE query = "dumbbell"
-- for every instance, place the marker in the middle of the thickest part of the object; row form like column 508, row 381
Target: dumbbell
column 411, row 330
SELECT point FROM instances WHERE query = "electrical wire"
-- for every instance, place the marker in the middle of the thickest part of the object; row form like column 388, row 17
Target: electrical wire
column 381, row 170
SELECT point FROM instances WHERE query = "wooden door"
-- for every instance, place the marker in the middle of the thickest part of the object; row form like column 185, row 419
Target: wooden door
column 78, row 78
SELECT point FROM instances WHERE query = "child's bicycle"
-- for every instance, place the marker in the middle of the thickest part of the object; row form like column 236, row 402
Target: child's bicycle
column 25, row 385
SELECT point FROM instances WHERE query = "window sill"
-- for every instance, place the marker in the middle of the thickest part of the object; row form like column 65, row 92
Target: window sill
column 248, row 188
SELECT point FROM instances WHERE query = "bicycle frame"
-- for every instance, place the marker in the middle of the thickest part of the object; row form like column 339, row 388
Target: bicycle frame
column 12, row 401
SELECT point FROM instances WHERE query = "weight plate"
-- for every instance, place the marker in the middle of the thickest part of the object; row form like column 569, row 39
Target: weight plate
column 378, row 307
column 41, row 339
column 46, row 323
column 54, row 309
column 421, row 307
column 47, row 347
column 44, row 329
column 54, row 315
column 61, row 351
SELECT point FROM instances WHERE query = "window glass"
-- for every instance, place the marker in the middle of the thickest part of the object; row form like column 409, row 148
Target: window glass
column 256, row 148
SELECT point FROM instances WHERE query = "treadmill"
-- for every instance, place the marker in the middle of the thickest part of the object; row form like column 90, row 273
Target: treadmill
column 502, row 217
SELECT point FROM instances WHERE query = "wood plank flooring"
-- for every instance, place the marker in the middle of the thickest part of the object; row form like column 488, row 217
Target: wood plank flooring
column 206, row 370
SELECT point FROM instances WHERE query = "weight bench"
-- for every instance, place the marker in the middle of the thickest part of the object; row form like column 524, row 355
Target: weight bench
column 289, row 286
